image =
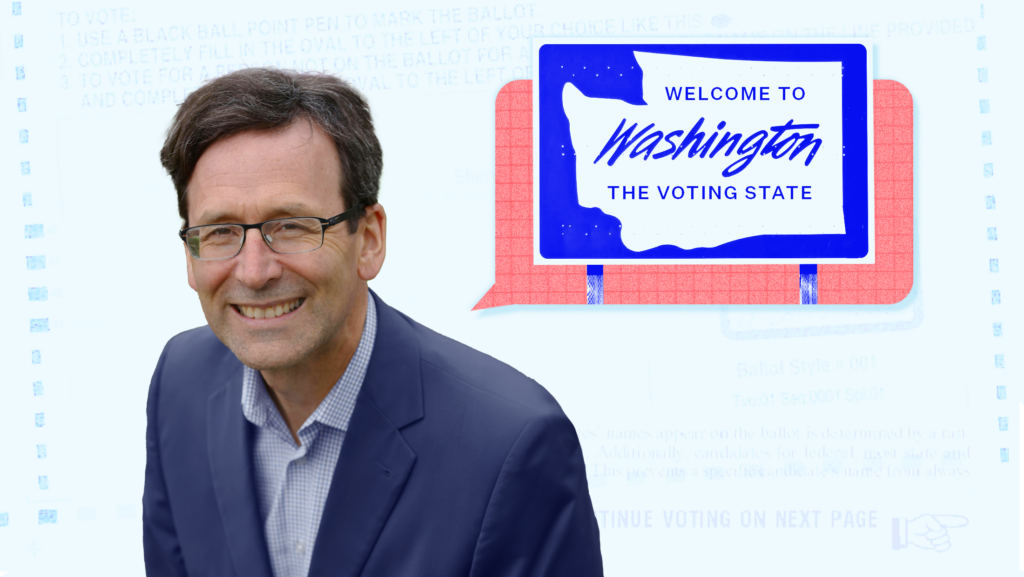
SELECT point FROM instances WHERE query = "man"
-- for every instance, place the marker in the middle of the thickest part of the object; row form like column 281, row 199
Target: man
column 311, row 429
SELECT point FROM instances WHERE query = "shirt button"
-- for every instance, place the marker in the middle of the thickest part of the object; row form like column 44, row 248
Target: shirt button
column 301, row 460
column 300, row 547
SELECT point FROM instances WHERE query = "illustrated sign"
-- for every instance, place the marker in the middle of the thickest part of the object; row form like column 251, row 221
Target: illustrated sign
column 704, row 152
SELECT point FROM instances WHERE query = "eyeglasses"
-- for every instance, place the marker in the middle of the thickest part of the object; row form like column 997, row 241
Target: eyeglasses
column 282, row 235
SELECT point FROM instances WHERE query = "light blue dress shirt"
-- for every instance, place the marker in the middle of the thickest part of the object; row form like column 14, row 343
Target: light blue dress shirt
column 293, row 480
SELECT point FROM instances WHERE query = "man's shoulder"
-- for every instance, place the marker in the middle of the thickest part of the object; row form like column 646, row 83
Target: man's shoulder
column 197, row 342
column 453, row 368
column 194, row 358
column 195, row 346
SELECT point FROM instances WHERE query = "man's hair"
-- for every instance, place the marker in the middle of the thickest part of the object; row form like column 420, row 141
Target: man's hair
column 267, row 99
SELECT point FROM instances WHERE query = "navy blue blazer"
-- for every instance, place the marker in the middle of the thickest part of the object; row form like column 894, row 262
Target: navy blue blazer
column 453, row 464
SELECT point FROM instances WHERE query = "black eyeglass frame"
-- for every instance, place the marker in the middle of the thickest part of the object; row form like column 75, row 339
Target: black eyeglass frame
column 325, row 223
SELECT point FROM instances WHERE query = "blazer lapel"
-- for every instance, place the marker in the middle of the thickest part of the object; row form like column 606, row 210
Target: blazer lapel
column 229, row 443
column 375, row 460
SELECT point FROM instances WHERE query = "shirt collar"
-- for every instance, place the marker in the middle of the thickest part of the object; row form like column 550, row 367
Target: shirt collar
column 336, row 408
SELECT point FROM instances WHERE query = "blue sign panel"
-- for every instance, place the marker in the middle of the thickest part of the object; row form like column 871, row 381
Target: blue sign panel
column 710, row 152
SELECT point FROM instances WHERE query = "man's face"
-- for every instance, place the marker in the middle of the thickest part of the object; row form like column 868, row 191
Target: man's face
column 257, row 176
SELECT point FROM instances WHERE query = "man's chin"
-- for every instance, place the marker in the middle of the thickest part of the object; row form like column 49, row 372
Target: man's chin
column 264, row 354
column 266, row 359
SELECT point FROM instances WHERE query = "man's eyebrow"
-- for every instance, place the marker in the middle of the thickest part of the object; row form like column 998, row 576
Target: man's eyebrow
column 281, row 211
column 210, row 217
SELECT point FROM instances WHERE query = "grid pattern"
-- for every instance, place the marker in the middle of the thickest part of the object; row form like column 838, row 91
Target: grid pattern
column 701, row 284
column 293, row 480
column 519, row 281
column 890, row 279
column 516, row 279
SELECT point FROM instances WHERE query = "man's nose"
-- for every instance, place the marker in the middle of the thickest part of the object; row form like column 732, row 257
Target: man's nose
column 257, row 264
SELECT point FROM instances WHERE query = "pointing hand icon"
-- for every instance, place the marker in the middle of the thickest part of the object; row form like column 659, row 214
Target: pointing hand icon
column 926, row 531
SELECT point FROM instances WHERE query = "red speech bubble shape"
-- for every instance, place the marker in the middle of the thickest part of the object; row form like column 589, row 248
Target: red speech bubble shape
column 519, row 281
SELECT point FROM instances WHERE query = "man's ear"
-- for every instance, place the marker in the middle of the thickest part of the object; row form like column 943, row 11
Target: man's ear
column 372, row 234
column 188, row 265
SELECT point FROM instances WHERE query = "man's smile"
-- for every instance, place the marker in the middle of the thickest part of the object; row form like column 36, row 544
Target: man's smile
column 269, row 310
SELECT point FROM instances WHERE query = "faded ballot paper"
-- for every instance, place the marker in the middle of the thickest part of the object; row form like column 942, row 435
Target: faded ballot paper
column 711, row 152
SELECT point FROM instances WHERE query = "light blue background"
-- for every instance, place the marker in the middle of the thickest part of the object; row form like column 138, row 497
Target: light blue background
column 634, row 371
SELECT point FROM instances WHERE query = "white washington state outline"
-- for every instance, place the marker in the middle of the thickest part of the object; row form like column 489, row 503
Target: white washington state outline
column 722, row 150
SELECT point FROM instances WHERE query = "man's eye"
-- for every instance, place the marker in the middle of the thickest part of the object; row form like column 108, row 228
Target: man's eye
column 218, row 233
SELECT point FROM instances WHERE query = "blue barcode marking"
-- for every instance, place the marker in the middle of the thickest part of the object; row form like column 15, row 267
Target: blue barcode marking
column 19, row 40
column 44, row 482
column 4, row 519
column 26, row 167
column 26, row 199
column 40, row 451
column 988, row 171
column 39, row 325
column 33, row 231
column 47, row 516
column 19, row 72
column 37, row 357
column 35, row 262
column 37, row 388
column 22, row 105
column 40, row 420
column 38, row 293
column 23, row 136
column 16, row 8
